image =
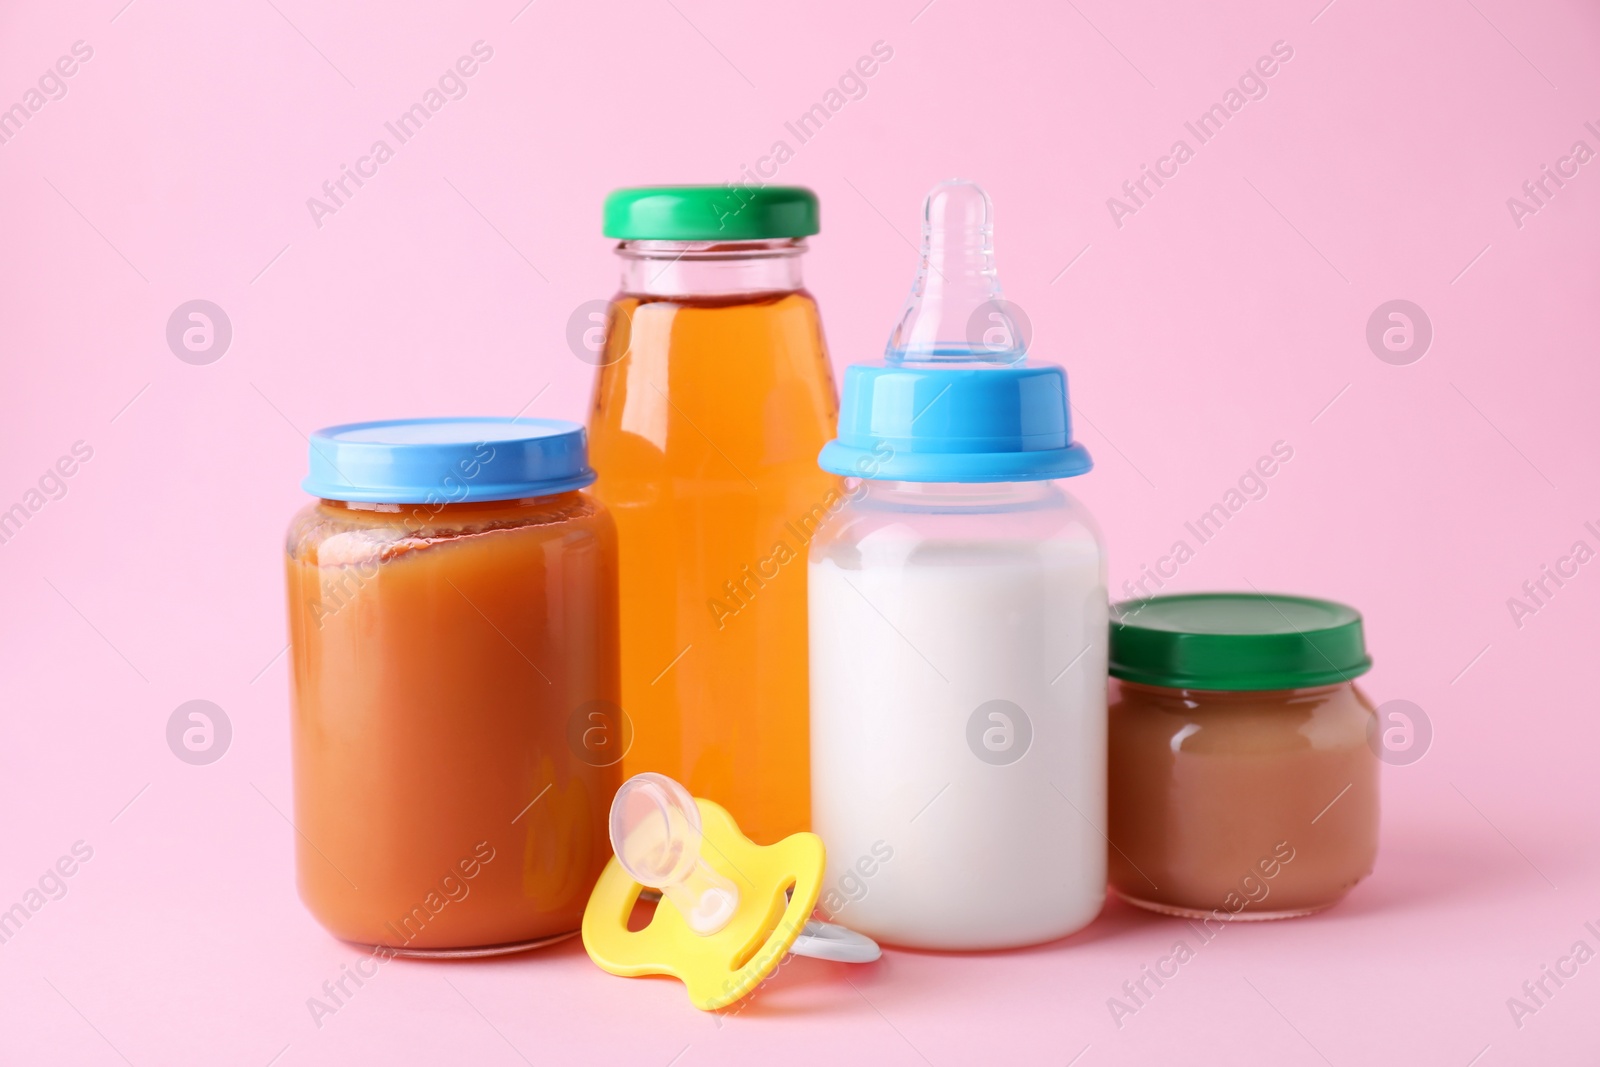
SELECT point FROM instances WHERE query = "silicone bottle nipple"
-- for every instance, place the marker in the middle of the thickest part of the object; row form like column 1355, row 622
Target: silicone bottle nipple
column 655, row 831
column 956, row 313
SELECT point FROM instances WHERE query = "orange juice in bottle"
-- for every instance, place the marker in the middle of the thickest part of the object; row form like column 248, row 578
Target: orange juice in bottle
column 712, row 401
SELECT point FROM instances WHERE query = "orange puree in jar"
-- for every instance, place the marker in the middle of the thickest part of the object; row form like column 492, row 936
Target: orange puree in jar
column 441, row 655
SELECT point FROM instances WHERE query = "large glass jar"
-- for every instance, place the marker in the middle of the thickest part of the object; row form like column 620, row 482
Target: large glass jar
column 711, row 402
column 456, row 731
column 1243, row 783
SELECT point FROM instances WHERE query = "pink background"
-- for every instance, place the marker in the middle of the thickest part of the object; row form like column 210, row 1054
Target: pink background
column 1226, row 314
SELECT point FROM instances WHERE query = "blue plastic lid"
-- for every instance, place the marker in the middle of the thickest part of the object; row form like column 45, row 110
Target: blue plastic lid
column 954, row 399
column 448, row 460
column 941, row 424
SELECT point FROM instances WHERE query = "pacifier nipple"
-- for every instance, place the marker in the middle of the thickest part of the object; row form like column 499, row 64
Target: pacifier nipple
column 656, row 834
column 956, row 313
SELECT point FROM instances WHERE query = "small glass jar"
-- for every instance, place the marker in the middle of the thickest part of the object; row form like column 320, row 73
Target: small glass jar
column 456, row 729
column 1242, row 781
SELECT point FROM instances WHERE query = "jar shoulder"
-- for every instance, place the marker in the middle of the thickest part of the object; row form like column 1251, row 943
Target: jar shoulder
column 330, row 532
column 1197, row 722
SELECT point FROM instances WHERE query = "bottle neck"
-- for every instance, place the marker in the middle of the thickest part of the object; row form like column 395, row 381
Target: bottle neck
column 959, row 496
column 710, row 268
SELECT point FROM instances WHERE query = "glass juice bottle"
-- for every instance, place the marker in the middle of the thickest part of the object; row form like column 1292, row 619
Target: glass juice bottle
column 712, row 400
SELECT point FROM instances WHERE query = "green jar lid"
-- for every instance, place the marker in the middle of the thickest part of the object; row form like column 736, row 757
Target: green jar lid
column 710, row 213
column 1236, row 641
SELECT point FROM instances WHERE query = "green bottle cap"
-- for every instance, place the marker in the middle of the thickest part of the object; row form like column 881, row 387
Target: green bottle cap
column 1236, row 641
column 710, row 213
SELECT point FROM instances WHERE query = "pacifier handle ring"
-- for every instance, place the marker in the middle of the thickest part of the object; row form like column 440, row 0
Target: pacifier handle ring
column 819, row 940
column 829, row 941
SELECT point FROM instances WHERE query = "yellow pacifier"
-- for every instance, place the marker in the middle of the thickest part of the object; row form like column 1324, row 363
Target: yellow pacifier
column 731, row 910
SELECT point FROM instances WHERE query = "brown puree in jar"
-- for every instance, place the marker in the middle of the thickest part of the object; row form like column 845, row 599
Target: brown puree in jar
column 1263, row 804
column 441, row 657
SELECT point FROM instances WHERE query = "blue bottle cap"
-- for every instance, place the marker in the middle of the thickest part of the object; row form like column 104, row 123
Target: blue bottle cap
column 955, row 399
column 941, row 424
column 448, row 460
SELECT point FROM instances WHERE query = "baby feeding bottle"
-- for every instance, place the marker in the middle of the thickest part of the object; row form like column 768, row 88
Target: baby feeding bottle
column 712, row 399
column 958, row 628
